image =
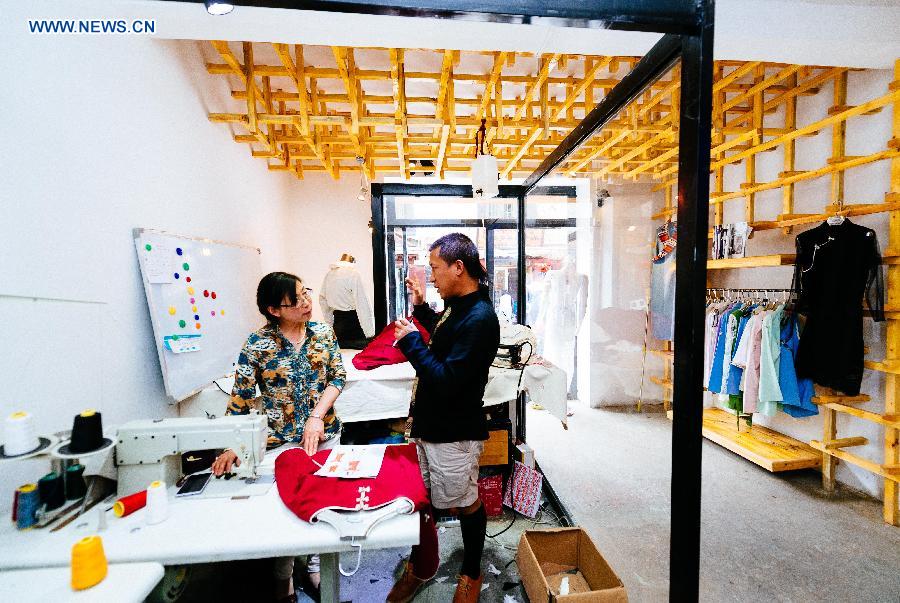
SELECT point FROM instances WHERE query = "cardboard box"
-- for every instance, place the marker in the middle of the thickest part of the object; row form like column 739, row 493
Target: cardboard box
column 496, row 448
column 524, row 454
column 545, row 557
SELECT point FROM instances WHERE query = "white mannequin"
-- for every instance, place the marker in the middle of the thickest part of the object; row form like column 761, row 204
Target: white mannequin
column 562, row 312
column 343, row 289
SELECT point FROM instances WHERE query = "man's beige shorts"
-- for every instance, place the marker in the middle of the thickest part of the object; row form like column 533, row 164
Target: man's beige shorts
column 450, row 471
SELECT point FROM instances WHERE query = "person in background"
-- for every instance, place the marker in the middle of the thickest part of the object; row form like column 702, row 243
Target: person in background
column 448, row 421
column 297, row 366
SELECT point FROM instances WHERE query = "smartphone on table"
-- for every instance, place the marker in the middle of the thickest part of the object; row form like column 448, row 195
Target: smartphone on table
column 194, row 484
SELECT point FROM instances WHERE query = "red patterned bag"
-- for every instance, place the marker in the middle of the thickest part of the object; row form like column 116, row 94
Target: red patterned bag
column 490, row 491
column 523, row 492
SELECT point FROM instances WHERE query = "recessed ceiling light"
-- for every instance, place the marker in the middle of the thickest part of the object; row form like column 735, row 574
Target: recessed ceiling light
column 214, row 7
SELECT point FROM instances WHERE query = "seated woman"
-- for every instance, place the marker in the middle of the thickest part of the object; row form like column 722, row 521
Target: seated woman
column 297, row 365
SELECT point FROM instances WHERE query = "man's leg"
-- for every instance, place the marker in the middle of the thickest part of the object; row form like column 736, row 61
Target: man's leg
column 473, row 525
column 454, row 486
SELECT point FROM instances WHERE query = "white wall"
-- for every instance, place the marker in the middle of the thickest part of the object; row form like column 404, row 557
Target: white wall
column 327, row 220
column 101, row 135
column 866, row 184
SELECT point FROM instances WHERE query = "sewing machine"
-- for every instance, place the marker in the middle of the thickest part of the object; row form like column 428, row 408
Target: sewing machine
column 517, row 345
column 151, row 450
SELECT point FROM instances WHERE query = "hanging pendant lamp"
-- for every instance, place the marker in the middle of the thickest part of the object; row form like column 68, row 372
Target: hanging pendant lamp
column 485, row 174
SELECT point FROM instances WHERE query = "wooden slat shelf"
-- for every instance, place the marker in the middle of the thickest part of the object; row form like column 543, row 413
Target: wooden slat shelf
column 840, row 399
column 885, row 471
column 664, row 383
column 882, row 367
column 769, row 449
column 760, row 261
column 886, row 420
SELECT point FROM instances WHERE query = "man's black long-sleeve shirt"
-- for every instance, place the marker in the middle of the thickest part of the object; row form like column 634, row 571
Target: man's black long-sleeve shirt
column 453, row 372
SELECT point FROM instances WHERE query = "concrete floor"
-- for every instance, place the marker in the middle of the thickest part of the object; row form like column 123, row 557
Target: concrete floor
column 764, row 536
column 375, row 578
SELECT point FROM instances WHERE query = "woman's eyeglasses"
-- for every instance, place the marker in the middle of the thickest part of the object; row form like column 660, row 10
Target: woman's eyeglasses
column 305, row 298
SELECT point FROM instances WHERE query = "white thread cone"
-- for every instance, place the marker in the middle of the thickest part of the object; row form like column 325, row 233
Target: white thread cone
column 157, row 502
column 18, row 434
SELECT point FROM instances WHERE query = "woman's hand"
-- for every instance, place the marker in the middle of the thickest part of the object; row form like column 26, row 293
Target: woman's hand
column 313, row 433
column 224, row 461
column 415, row 287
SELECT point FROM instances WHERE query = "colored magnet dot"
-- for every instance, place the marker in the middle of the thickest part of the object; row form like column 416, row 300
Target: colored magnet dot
column 221, row 312
column 175, row 337
column 177, row 276
column 213, row 295
column 196, row 317
column 172, row 310
column 188, row 279
column 186, row 266
column 148, row 246
column 205, row 293
column 182, row 324
column 197, row 325
column 190, row 290
column 178, row 250
column 213, row 313
column 193, row 308
column 192, row 301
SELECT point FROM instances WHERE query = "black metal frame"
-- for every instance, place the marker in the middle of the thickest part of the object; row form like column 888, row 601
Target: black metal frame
column 688, row 25
column 382, row 246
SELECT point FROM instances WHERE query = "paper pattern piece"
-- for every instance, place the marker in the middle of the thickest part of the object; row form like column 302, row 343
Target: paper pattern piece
column 524, row 491
column 353, row 462
column 158, row 262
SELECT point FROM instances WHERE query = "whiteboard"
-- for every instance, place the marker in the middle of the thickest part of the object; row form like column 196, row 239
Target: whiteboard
column 202, row 300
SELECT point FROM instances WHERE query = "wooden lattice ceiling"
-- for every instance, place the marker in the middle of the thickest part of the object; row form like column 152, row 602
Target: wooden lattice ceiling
column 316, row 108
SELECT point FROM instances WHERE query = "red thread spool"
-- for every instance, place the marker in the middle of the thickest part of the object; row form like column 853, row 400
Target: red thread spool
column 129, row 504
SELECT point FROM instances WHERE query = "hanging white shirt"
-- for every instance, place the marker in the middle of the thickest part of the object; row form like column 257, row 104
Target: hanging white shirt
column 342, row 289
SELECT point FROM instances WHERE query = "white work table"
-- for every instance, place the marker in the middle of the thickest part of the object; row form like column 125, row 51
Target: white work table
column 124, row 583
column 204, row 530
column 384, row 392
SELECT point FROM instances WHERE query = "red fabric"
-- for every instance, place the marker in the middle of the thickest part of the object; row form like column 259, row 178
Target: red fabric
column 425, row 556
column 306, row 494
column 490, row 491
column 382, row 351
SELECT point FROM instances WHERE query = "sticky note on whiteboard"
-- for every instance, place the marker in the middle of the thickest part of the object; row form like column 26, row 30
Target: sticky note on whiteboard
column 181, row 344
column 158, row 263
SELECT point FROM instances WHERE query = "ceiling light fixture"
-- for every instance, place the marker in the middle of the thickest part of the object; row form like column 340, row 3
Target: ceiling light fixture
column 214, row 7
column 363, row 182
column 485, row 174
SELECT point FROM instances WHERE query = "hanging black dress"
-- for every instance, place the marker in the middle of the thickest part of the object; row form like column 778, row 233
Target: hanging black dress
column 836, row 266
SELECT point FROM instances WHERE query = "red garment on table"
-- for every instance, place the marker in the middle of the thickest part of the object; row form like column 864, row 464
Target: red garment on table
column 307, row 494
column 382, row 351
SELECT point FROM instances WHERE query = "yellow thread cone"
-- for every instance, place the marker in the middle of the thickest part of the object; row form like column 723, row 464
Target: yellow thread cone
column 88, row 563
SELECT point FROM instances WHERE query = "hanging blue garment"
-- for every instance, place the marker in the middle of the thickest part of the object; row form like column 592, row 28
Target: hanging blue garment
column 797, row 393
column 715, row 373
column 736, row 372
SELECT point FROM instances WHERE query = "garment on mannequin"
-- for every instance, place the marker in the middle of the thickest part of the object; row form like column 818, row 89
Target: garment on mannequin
column 562, row 311
column 345, row 305
column 662, row 283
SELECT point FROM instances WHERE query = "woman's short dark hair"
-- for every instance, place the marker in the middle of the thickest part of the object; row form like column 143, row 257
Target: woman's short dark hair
column 272, row 290
column 457, row 246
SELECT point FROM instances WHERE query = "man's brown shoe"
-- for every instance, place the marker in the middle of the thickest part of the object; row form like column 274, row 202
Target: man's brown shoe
column 407, row 586
column 468, row 589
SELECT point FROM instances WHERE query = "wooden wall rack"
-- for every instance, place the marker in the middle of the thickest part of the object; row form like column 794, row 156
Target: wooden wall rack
column 831, row 448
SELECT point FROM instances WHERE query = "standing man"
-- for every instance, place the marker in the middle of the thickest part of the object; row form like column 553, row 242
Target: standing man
column 446, row 411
